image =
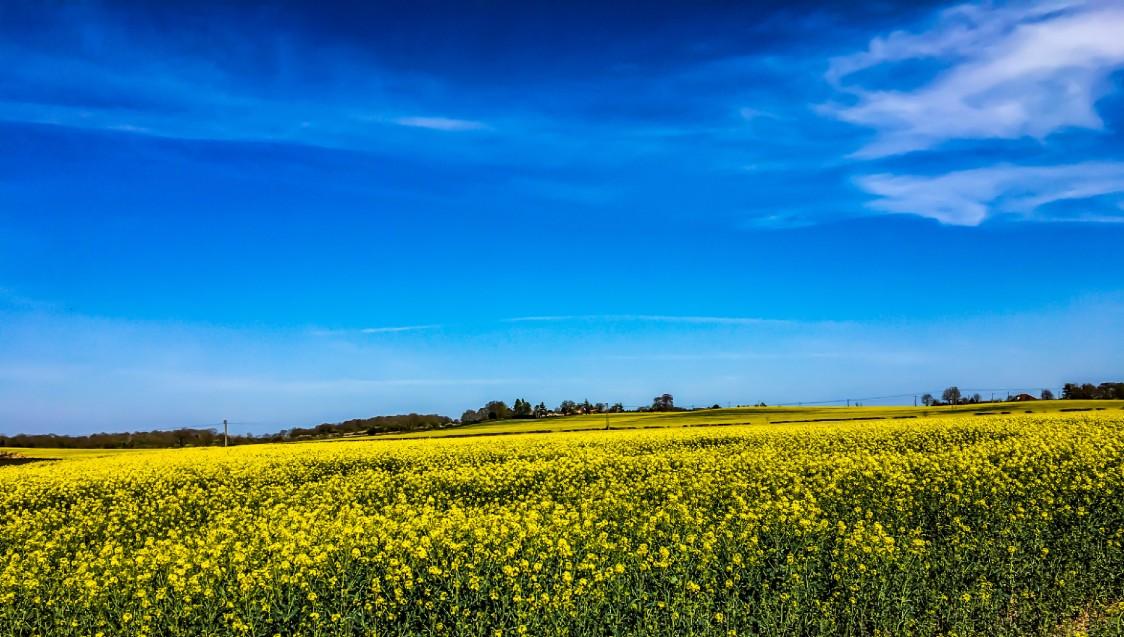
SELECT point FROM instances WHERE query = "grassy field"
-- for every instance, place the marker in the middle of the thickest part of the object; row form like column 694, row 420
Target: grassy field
column 752, row 416
column 951, row 525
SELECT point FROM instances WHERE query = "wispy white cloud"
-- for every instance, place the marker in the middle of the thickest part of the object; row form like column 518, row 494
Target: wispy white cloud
column 393, row 329
column 1026, row 70
column 653, row 318
column 895, row 356
column 121, row 76
column 399, row 328
column 968, row 197
column 441, row 123
column 750, row 114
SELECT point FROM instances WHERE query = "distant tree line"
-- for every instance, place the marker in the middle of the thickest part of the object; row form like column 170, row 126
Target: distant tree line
column 188, row 437
column 522, row 409
column 371, row 426
column 493, row 410
column 1089, row 391
column 953, row 396
column 183, row 437
column 191, row 437
column 950, row 396
column 1071, row 391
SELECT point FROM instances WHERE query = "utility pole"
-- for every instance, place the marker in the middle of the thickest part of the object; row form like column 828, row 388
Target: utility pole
column 606, row 421
column 225, row 433
column 915, row 400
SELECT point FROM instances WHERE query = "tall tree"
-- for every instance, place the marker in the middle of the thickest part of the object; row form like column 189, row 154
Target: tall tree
column 951, row 395
column 522, row 409
column 497, row 410
column 663, row 402
column 1110, row 391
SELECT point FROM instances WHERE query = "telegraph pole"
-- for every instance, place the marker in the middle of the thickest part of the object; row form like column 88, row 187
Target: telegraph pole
column 225, row 433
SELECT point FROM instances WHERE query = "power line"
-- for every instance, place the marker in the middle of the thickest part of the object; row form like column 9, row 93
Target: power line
column 848, row 401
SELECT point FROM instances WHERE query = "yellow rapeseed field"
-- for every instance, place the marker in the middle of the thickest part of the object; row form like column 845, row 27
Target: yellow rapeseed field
column 990, row 525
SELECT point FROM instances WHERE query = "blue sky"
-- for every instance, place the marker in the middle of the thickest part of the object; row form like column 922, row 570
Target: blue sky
column 306, row 212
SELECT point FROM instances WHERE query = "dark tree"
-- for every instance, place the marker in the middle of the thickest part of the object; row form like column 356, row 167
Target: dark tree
column 927, row 399
column 522, row 409
column 497, row 410
column 663, row 402
column 1089, row 391
column 951, row 395
column 1110, row 391
column 568, row 408
column 1047, row 394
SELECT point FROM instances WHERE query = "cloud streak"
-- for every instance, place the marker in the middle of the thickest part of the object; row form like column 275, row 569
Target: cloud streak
column 149, row 80
column 651, row 318
column 1023, row 71
column 391, row 329
column 441, row 123
column 969, row 197
column 400, row 328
